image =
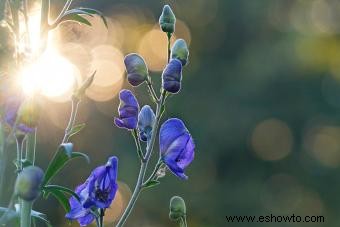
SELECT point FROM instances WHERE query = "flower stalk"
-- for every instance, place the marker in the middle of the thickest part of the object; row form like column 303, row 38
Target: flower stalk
column 74, row 109
column 26, row 206
column 144, row 164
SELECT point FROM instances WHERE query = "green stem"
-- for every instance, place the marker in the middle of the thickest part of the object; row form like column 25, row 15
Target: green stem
column 26, row 207
column 31, row 141
column 62, row 12
column 3, row 160
column 152, row 90
column 169, row 43
column 72, row 120
column 154, row 172
column 25, row 213
column 144, row 164
column 183, row 222
column 101, row 217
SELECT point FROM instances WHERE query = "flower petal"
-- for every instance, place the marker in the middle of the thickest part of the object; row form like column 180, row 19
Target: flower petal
column 170, row 130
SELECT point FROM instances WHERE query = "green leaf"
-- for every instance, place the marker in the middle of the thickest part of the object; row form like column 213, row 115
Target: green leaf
column 151, row 184
column 13, row 215
column 42, row 217
column 62, row 156
column 62, row 199
column 48, row 188
column 76, row 129
column 95, row 12
column 74, row 16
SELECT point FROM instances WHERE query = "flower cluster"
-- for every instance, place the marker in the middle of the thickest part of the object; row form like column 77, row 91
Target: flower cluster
column 97, row 192
column 176, row 143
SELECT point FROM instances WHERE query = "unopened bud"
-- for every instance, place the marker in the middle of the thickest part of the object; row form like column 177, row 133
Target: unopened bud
column 28, row 182
column 167, row 20
column 137, row 71
column 177, row 208
column 180, row 51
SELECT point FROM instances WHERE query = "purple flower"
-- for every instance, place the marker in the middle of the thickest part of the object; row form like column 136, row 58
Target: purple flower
column 176, row 146
column 78, row 212
column 136, row 69
column 172, row 76
column 128, row 110
column 25, row 123
column 98, row 191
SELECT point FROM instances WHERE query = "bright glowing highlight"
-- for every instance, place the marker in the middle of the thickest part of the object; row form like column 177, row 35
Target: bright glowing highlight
column 51, row 75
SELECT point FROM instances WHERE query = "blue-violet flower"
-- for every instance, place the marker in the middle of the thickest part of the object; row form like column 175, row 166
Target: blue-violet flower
column 128, row 110
column 176, row 146
column 98, row 191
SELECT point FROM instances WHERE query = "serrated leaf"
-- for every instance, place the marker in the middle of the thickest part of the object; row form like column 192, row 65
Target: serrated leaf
column 62, row 156
column 48, row 188
column 151, row 184
column 62, row 199
column 76, row 129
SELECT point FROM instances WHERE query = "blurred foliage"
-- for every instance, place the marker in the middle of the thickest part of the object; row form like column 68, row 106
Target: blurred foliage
column 270, row 67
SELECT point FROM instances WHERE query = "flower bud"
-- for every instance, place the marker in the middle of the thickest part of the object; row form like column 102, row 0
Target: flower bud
column 180, row 51
column 172, row 76
column 146, row 119
column 177, row 208
column 28, row 182
column 137, row 71
column 167, row 20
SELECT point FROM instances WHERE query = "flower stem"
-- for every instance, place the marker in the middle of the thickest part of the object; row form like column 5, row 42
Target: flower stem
column 154, row 172
column 72, row 120
column 169, row 49
column 101, row 217
column 26, row 207
column 152, row 90
column 3, row 160
column 144, row 164
column 183, row 222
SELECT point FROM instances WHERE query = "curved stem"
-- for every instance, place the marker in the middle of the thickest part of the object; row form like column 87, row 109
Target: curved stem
column 152, row 90
column 144, row 165
column 62, row 12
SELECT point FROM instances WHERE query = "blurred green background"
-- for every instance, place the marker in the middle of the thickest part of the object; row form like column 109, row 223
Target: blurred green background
column 261, row 97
